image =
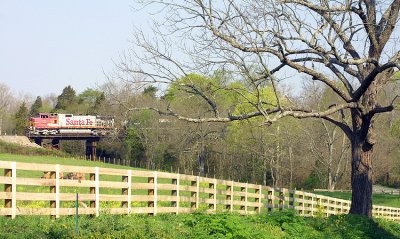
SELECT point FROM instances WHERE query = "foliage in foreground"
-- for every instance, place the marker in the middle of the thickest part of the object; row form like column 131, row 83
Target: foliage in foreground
column 284, row 224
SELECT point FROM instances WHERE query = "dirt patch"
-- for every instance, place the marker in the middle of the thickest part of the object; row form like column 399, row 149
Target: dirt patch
column 21, row 140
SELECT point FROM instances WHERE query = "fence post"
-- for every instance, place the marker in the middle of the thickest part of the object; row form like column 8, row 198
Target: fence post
column 292, row 198
column 57, row 190
column 341, row 207
column 53, row 189
column 229, row 197
column 11, row 188
column 127, row 191
column 301, row 203
column 259, row 199
column 96, row 191
column 195, row 205
column 243, row 198
column 312, row 205
column 176, row 193
column 193, row 194
column 124, row 191
column 174, row 181
column 92, row 190
column 281, row 199
column 271, row 198
column 336, row 210
column 153, row 192
column 213, row 195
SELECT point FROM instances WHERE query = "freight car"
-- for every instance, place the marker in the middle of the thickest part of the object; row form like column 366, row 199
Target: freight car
column 69, row 124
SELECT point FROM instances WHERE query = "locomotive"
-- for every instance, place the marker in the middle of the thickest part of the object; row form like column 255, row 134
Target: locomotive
column 69, row 124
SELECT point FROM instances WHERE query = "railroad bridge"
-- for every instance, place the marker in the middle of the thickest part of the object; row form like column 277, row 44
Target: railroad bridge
column 54, row 127
column 90, row 141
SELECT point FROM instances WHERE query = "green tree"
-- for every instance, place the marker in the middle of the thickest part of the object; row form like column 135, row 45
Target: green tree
column 199, row 140
column 36, row 106
column 134, row 146
column 21, row 119
column 150, row 91
column 66, row 98
column 90, row 101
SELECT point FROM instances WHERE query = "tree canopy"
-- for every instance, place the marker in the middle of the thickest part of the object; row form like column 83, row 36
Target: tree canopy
column 66, row 98
column 21, row 119
column 36, row 106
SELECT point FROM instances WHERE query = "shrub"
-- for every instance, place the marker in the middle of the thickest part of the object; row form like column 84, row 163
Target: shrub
column 283, row 224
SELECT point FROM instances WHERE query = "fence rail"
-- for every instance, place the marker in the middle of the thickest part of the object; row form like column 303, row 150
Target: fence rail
column 374, row 190
column 122, row 191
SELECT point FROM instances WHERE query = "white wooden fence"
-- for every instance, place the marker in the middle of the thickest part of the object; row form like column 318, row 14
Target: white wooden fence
column 123, row 191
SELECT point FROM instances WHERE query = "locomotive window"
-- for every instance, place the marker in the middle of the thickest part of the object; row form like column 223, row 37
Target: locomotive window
column 68, row 115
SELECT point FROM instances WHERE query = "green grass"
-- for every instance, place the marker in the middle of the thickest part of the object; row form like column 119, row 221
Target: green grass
column 282, row 225
column 377, row 199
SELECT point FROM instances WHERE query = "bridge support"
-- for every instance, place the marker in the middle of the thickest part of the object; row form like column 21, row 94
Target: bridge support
column 55, row 144
column 91, row 149
column 39, row 141
column 53, row 141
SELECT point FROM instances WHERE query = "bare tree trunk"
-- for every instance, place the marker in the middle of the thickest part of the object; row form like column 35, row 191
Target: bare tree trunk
column 201, row 160
column 273, row 176
column 362, row 142
column 291, row 166
column 330, row 156
column 361, row 179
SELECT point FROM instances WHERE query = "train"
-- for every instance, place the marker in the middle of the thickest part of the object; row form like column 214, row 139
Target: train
column 70, row 124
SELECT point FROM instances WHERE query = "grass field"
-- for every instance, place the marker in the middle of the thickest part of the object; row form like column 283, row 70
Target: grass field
column 377, row 199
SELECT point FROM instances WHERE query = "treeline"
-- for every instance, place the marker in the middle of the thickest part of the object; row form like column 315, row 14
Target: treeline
column 290, row 153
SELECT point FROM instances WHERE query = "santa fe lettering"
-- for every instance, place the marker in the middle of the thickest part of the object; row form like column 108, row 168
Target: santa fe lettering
column 78, row 122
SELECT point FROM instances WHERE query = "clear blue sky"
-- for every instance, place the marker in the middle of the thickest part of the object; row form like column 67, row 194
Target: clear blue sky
column 46, row 45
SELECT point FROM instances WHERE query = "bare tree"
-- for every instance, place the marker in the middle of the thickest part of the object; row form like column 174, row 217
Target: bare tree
column 347, row 45
column 5, row 99
column 330, row 149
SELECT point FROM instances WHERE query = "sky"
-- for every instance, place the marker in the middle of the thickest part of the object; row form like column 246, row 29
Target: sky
column 46, row 45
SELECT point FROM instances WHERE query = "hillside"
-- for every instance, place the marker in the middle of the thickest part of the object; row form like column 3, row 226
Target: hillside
column 20, row 145
column 20, row 140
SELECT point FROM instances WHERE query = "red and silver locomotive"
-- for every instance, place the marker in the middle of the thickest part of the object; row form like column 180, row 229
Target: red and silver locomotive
column 62, row 124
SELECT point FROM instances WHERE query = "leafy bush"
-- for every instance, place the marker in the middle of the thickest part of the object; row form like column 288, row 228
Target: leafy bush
column 283, row 224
